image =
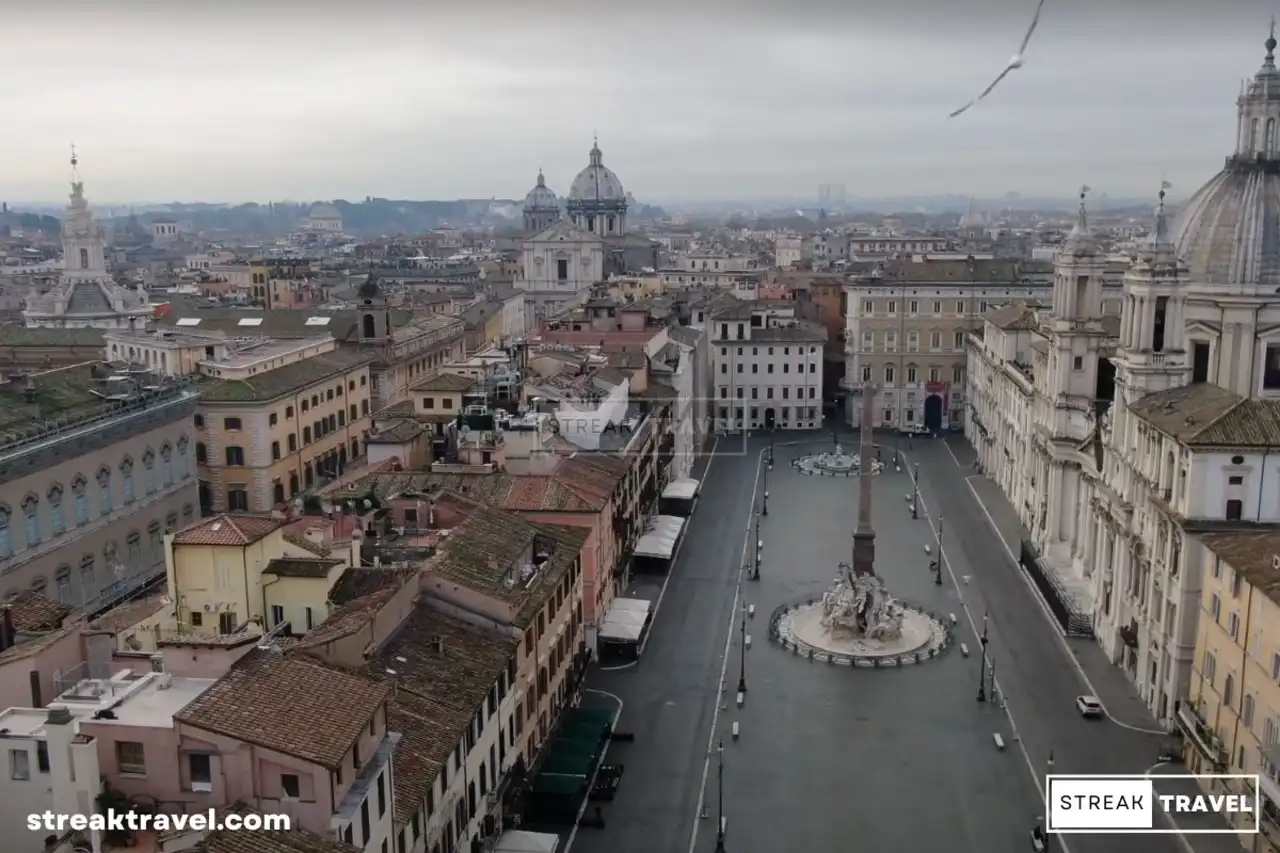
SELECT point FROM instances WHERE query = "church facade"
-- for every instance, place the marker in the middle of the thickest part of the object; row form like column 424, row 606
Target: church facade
column 85, row 295
column 1118, row 447
column 570, row 247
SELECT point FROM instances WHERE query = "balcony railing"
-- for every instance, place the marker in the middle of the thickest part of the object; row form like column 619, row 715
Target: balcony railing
column 1200, row 734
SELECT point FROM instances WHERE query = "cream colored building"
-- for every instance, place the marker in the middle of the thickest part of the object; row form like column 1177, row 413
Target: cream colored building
column 230, row 570
column 263, row 438
column 906, row 324
column 1231, row 717
column 213, row 354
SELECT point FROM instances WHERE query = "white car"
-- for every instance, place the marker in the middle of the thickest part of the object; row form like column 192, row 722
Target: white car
column 1089, row 706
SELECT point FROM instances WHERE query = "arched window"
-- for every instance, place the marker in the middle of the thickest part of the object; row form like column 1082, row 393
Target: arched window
column 149, row 471
column 105, row 502
column 1246, row 711
column 166, row 464
column 88, row 584
column 62, row 578
column 57, row 521
column 155, row 541
column 40, row 584
column 84, row 259
column 370, row 326
column 133, row 546
column 31, row 519
column 184, row 458
column 1255, row 136
column 6, row 540
column 78, row 491
column 126, row 472
column 188, row 513
column 1269, row 141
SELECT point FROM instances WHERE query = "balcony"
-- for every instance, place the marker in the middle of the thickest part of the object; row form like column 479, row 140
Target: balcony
column 1199, row 733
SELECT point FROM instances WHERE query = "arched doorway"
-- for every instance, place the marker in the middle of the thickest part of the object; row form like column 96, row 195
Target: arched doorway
column 770, row 417
column 933, row 413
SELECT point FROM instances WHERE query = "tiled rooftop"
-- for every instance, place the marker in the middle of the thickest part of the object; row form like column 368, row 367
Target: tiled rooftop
column 33, row 613
column 289, row 379
column 227, row 529
column 443, row 382
column 356, row 583
column 35, row 645
column 1252, row 555
column 444, row 659
column 430, row 731
column 291, row 703
column 1207, row 415
column 1017, row 317
column 515, row 492
column 349, row 618
column 484, row 549
column 295, row 840
column 301, row 567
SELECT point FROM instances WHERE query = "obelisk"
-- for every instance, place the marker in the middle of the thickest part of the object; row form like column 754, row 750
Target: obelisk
column 864, row 537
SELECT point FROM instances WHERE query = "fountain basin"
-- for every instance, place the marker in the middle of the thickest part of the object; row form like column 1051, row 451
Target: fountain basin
column 797, row 626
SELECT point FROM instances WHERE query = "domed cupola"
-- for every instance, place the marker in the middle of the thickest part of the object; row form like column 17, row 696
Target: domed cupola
column 597, row 202
column 1229, row 232
column 541, row 207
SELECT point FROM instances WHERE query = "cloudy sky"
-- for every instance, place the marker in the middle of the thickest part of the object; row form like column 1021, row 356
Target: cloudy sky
column 232, row 101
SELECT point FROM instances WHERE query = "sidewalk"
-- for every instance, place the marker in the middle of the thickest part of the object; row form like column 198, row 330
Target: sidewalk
column 1105, row 680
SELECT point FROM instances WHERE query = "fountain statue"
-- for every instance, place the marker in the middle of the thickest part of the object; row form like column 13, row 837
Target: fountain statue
column 859, row 607
column 836, row 463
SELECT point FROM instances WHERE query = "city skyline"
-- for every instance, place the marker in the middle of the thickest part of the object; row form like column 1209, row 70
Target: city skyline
column 766, row 104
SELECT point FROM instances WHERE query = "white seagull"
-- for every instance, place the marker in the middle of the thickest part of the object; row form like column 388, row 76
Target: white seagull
column 1014, row 64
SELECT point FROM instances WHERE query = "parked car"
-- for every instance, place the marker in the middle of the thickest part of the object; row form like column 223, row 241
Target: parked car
column 1089, row 706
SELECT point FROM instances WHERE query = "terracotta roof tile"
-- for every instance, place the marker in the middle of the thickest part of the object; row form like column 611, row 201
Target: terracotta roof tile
column 443, row 382
column 33, row 613
column 429, row 733
column 358, row 582
column 291, row 703
column 295, row 840
column 349, row 618
column 227, row 529
column 444, row 659
column 1252, row 555
column 514, row 492
column 1207, row 415
column 301, row 567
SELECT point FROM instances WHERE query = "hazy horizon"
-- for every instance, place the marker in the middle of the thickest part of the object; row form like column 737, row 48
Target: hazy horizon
column 230, row 104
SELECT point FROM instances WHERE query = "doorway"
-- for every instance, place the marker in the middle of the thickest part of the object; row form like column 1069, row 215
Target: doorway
column 933, row 413
column 769, row 417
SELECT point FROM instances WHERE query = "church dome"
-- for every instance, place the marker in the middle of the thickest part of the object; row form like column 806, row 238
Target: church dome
column 597, row 182
column 1228, row 234
column 540, row 197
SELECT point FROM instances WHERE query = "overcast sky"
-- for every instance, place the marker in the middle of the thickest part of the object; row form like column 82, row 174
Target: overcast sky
column 235, row 101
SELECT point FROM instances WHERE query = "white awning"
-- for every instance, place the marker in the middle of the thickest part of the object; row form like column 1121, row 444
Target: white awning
column 636, row 605
column 626, row 617
column 519, row 841
column 660, row 539
column 619, row 631
column 682, row 489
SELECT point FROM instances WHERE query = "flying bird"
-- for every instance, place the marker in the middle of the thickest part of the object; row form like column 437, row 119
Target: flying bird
column 1014, row 63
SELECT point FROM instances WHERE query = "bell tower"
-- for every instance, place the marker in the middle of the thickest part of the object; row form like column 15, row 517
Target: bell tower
column 375, row 311
column 1075, row 330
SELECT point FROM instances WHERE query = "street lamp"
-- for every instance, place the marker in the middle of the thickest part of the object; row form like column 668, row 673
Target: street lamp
column 720, row 791
column 770, row 449
column 915, row 493
column 742, row 673
column 937, row 564
column 982, row 673
column 764, row 505
column 755, row 576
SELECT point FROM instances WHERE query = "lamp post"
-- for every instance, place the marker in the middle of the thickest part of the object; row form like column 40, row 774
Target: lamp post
column 742, row 672
column 764, row 503
column 755, row 575
column 982, row 673
column 937, row 578
column 915, row 492
column 770, row 449
column 720, row 793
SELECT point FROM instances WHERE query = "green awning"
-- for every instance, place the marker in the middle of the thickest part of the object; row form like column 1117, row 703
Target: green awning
column 567, row 764
column 558, row 786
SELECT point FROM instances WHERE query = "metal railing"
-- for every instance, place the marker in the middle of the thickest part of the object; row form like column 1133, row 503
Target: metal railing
column 52, row 430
